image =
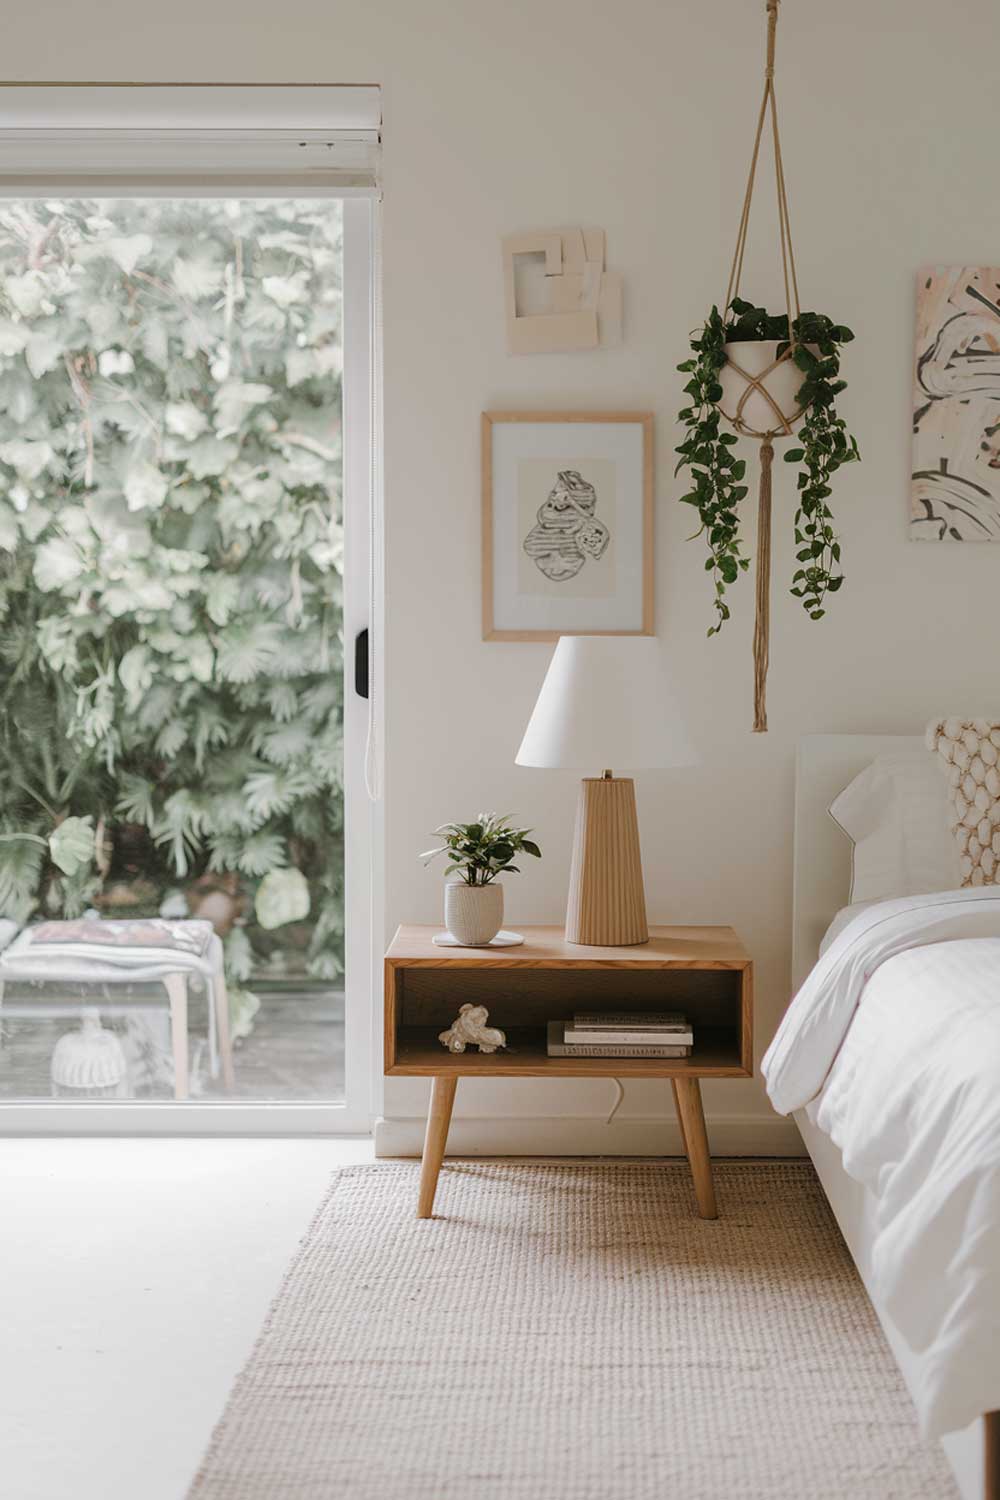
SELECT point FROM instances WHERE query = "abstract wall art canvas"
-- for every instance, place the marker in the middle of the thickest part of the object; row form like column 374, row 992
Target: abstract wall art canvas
column 955, row 486
column 567, row 524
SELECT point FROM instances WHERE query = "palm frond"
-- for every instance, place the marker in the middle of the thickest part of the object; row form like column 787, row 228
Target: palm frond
column 21, row 863
column 246, row 650
column 261, row 853
column 180, row 827
column 271, row 793
column 282, row 700
column 136, row 800
column 289, row 743
column 211, row 729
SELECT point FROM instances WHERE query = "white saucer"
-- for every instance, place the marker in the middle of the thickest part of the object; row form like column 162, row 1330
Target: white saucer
column 503, row 939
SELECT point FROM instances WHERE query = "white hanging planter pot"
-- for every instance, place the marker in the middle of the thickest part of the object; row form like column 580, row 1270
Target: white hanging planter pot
column 473, row 914
column 759, row 389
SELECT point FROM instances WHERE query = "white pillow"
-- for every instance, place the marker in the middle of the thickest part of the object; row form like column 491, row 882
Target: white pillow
column 896, row 813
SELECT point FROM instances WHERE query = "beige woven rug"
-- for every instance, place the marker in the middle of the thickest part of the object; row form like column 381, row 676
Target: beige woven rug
column 571, row 1332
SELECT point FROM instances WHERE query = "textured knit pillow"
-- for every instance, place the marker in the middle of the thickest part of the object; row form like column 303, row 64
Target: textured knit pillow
column 970, row 748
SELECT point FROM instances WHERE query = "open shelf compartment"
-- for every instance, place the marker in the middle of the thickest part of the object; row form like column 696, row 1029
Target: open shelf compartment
column 423, row 1001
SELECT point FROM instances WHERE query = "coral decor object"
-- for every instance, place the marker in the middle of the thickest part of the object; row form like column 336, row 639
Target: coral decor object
column 469, row 1029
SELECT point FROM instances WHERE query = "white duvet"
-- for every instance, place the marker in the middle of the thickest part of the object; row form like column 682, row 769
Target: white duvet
column 893, row 1044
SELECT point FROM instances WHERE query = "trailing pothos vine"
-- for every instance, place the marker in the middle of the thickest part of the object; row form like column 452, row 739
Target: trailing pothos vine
column 823, row 445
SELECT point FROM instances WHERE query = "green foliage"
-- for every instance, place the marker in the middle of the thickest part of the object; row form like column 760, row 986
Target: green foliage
column 282, row 896
column 716, row 472
column 482, row 850
column 824, row 444
column 20, row 867
column 171, row 549
column 71, row 845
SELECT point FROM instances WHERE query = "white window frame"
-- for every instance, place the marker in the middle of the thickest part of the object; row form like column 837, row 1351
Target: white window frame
column 363, row 832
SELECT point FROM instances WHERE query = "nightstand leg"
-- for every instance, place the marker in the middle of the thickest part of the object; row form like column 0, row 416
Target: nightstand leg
column 438, row 1119
column 691, row 1117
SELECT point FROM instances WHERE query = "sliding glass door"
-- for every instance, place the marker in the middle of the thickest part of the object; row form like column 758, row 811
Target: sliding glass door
column 174, row 576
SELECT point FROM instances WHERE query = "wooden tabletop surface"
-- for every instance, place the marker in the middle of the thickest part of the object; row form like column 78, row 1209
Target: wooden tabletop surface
column 701, row 947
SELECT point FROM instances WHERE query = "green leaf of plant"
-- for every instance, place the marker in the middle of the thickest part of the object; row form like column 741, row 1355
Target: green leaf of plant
column 71, row 844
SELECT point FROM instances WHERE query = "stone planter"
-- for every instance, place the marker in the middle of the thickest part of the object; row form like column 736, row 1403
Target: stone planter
column 473, row 914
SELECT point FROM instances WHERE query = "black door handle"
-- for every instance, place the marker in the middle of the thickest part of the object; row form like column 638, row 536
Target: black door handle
column 361, row 663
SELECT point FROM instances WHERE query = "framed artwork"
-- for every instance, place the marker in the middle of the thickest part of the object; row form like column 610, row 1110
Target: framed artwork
column 955, row 484
column 567, row 524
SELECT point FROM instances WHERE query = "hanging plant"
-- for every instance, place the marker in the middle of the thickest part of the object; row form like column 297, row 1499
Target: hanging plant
column 824, row 445
column 767, row 376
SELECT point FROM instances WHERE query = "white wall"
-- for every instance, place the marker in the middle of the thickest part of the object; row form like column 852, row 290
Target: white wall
column 633, row 116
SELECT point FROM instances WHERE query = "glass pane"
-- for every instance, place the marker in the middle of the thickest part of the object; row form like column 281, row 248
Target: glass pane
column 171, row 747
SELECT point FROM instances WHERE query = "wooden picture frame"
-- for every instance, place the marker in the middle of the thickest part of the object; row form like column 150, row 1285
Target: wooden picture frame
column 616, row 599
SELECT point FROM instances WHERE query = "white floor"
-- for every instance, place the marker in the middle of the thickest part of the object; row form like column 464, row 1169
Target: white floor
column 134, row 1277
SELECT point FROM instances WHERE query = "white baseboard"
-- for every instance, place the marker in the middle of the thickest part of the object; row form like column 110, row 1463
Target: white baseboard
column 548, row 1135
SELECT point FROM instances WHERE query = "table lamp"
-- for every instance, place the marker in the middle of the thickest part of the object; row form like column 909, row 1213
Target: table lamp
column 605, row 706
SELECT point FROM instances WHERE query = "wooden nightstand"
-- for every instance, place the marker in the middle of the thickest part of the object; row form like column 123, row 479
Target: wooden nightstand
column 703, row 971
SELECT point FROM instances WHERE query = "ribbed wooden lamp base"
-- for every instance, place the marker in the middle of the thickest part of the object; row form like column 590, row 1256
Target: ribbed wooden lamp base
column 607, row 906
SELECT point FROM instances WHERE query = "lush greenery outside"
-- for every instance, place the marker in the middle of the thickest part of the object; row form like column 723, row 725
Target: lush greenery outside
column 170, row 569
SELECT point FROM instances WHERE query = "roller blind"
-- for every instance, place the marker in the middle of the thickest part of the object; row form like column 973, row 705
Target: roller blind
column 185, row 138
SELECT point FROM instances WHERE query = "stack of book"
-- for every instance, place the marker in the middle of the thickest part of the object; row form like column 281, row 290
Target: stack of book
column 599, row 1033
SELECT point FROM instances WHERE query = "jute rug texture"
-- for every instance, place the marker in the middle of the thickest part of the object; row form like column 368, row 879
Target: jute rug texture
column 571, row 1332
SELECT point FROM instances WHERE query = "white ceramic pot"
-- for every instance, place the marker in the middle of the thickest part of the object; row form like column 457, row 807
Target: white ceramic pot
column 473, row 914
column 782, row 383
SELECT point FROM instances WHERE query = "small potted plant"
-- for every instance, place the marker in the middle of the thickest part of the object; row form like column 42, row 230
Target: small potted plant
column 478, row 853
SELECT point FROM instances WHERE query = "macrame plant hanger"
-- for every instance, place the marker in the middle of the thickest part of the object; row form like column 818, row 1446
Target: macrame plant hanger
column 755, row 384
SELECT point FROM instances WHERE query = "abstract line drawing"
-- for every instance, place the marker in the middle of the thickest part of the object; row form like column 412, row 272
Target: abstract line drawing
column 955, row 487
column 567, row 532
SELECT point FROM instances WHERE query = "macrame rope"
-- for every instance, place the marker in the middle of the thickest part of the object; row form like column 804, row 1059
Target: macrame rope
column 762, row 623
column 736, row 269
column 755, row 384
column 768, row 108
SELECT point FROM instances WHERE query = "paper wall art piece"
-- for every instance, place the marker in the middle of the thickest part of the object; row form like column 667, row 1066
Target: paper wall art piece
column 955, row 488
column 559, row 296
column 567, row 524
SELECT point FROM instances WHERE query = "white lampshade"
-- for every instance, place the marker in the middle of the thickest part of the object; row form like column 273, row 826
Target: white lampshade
column 606, row 704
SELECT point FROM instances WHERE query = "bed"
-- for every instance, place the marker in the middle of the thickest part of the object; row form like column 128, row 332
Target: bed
column 822, row 876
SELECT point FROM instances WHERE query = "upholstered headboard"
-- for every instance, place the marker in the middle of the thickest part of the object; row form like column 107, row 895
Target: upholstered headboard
column 821, row 882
